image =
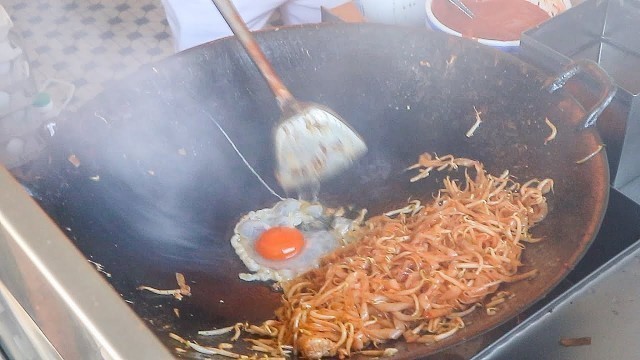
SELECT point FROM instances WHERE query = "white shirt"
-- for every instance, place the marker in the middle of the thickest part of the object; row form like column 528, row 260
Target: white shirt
column 194, row 22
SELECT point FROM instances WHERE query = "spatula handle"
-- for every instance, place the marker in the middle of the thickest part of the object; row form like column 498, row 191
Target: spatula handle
column 240, row 29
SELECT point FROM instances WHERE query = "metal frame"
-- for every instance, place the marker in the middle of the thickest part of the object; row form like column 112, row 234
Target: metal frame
column 78, row 313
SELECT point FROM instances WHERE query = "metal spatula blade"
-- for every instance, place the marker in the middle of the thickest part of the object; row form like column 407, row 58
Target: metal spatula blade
column 311, row 142
column 314, row 144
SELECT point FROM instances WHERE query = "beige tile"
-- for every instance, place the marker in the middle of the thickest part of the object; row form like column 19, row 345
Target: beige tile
column 122, row 42
column 103, row 15
column 83, row 64
column 157, row 14
column 43, row 72
column 64, row 75
column 166, row 44
column 147, row 30
column 158, row 58
column 137, row 11
column 128, row 17
column 120, row 29
column 39, row 76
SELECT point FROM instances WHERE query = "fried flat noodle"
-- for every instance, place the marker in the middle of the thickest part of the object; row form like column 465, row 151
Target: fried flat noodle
column 576, row 341
column 415, row 274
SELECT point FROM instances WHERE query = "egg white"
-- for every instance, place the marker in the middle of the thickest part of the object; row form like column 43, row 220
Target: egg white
column 322, row 234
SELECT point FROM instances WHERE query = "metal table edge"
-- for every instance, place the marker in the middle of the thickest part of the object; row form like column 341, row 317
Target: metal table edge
column 76, row 309
column 521, row 328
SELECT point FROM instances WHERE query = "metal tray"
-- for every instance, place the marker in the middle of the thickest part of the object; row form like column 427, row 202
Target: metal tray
column 604, row 306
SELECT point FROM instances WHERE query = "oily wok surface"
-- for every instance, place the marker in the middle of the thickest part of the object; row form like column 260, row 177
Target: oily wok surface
column 159, row 189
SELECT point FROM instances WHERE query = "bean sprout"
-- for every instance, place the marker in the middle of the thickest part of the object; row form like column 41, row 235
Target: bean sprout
column 554, row 131
column 588, row 157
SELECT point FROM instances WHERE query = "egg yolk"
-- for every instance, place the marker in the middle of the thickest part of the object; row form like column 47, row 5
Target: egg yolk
column 279, row 243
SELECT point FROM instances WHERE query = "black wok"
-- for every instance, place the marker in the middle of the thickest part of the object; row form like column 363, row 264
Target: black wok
column 159, row 189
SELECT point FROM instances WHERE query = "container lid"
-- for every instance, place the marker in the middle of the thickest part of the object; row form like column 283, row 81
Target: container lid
column 41, row 100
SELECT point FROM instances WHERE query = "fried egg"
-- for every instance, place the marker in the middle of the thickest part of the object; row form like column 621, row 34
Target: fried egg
column 289, row 238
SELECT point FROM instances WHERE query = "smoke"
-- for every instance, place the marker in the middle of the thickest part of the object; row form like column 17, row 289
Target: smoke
column 167, row 159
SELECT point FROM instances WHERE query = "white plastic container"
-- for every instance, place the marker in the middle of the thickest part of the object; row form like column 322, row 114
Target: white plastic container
column 17, row 73
column 395, row 12
column 551, row 7
column 10, row 102
column 8, row 52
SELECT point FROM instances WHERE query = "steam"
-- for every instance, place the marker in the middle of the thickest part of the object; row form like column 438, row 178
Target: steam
column 158, row 176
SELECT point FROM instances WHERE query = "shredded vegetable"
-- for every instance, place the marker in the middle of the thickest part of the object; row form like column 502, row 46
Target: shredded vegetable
column 184, row 289
column 475, row 125
column 554, row 131
column 590, row 156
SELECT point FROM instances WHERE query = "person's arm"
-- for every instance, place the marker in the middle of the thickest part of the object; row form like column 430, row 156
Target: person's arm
column 348, row 12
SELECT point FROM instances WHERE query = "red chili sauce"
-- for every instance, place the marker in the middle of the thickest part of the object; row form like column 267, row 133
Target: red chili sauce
column 494, row 19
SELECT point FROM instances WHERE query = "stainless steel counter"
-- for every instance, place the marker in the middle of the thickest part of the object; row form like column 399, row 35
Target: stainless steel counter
column 604, row 306
column 52, row 303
